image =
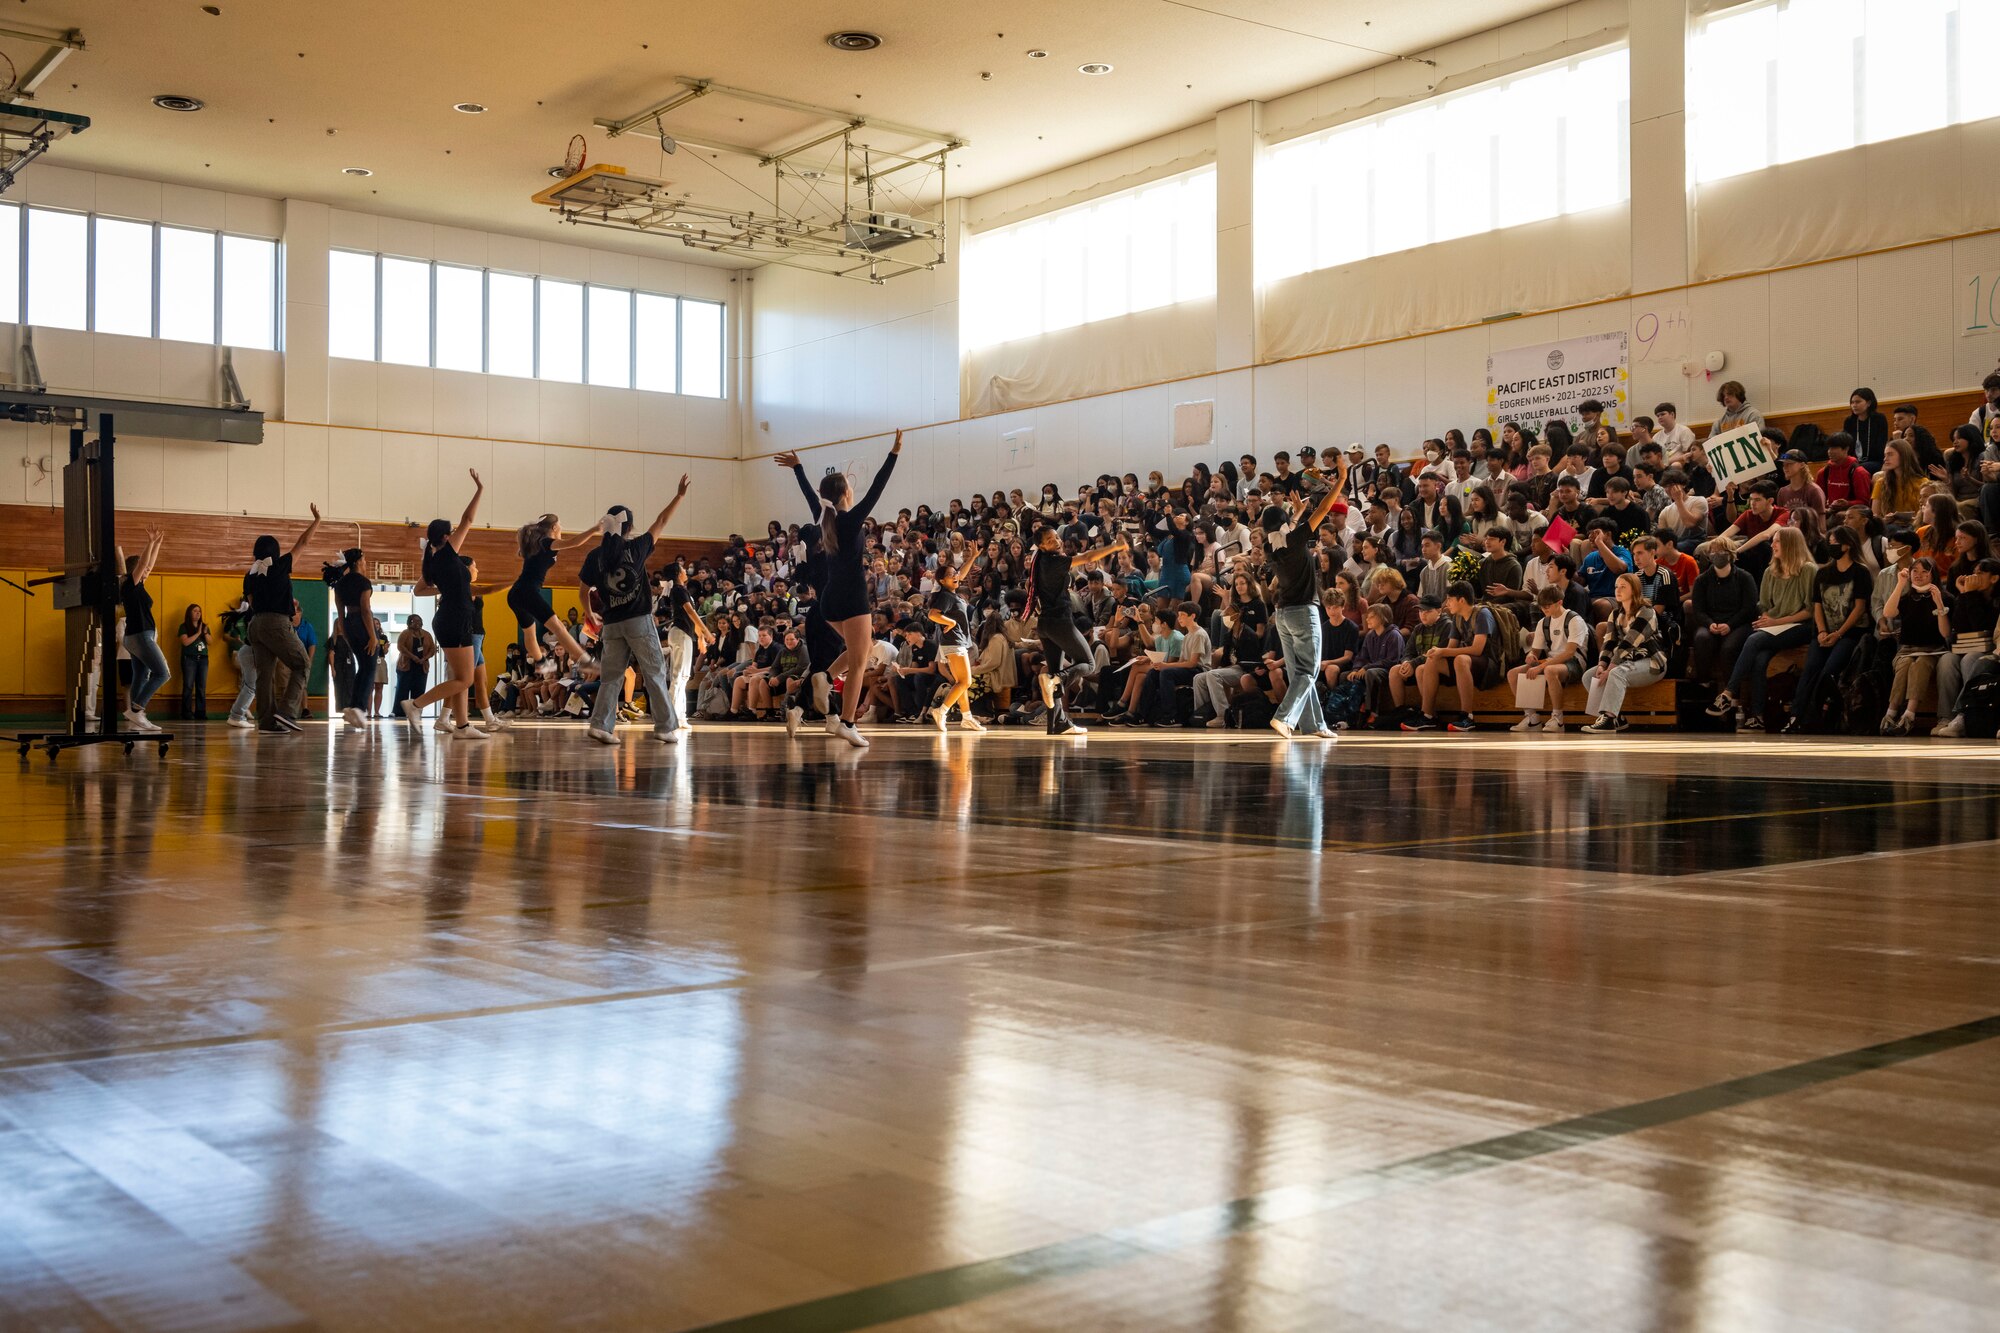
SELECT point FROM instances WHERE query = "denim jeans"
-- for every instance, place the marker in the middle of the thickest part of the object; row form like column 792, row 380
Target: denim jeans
column 1824, row 662
column 149, row 668
column 1746, row 682
column 1298, row 638
column 634, row 643
column 246, row 693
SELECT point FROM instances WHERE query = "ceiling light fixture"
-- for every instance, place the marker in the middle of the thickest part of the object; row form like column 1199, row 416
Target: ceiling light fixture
column 1093, row 68
column 853, row 41
column 1038, row 55
column 469, row 108
column 356, row 171
column 559, row 173
column 176, row 102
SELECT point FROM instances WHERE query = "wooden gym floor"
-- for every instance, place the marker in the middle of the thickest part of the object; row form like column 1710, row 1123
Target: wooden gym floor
column 1143, row 1032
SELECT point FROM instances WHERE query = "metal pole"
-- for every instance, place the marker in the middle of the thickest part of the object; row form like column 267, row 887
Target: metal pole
column 107, row 580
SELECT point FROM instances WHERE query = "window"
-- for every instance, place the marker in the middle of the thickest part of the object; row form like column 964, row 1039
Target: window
column 406, row 312
column 122, row 279
column 461, row 318
column 416, row 313
column 701, row 349
column 656, row 337
column 249, row 292
column 610, row 337
column 10, row 274
column 559, row 331
column 510, row 325
column 1535, row 145
column 1135, row 250
column 1775, row 82
column 138, row 279
column 350, row 293
column 59, row 252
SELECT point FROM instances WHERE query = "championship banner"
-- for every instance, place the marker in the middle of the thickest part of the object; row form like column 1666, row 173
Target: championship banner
column 1534, row 385
column 1739, row 456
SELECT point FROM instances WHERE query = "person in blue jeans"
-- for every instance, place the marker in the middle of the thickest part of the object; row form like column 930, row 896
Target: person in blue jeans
column 1291, row 536
column 1841, row 591
column 149, row 665
column 1784, row 620
column 236, row 629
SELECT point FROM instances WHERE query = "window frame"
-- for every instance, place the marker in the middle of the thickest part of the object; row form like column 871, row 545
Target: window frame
column 487, row 274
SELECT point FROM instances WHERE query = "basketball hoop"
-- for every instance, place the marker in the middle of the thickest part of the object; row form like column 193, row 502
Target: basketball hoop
column 574, row 159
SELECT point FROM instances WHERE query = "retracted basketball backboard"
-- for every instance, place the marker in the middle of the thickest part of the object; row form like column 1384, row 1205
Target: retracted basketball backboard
column 27, row 131
column 852, row 196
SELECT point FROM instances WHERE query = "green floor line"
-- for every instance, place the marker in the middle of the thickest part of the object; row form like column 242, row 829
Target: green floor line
column 926, row 1293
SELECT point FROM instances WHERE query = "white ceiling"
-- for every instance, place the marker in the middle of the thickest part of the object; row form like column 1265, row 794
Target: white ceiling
column 382, row 75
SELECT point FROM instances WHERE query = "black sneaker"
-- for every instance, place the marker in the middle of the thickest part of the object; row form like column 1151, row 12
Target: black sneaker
column 1424, row 723
column 1621, row 723
column 1065, row 728
column 1463, row 722
column 1751, row 723
column 286, row 724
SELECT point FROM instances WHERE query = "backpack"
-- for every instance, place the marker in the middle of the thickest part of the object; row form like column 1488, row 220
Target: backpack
column 1512, row 639
column 1979, row 698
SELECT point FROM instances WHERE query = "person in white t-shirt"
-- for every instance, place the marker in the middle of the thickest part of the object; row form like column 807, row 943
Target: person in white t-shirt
column 1685, row 514
column 1675, row 438
column 1554, row 662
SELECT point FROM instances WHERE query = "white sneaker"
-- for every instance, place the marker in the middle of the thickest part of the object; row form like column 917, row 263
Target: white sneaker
column 1283, row 728
column 794, row 716
column 242, row 724
column 352, row 717
column 1528, row 722
column 667, row 737
column 865, row 715
column 1218, row 723
column 833, row 724
column 410, row 713
column 1953, row 728
column 967, row 722
column 140, row 722
column 1327, row 734
column 601, row 736
column 444, row 723
column 1555, row 723
column 493, row 723
column 852, row 737
column 943, row 721
column 471, row 732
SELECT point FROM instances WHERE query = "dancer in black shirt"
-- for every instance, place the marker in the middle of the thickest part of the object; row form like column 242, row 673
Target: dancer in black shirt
column 528, row 598
column 1048, row 590
column 452, row 623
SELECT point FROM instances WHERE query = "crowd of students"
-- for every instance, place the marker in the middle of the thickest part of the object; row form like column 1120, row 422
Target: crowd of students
column 1311, row 595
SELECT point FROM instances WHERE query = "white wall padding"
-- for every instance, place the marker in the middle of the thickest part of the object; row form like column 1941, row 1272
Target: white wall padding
column 1165, row 343
column 1537, row 266
column 1918, row 188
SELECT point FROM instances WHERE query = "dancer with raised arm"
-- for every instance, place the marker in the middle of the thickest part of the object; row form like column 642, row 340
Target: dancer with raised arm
column 616, row 572
column 267, row 587
column 1291, row 536
column 351, row 647
column 452, row 623
column 687, row 636
column 528, row 598
column 1048, row 593
column 843, row 598
column 142, row 640
column 953, row 618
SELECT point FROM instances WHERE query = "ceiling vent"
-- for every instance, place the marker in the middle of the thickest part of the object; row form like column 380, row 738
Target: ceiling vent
column 176, row 102
column 853, row 41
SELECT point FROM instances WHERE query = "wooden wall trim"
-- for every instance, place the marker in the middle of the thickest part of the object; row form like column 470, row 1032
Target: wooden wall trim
column 31, row 538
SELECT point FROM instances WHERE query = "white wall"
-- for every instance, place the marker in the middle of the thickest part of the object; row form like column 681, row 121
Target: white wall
column 368, row 441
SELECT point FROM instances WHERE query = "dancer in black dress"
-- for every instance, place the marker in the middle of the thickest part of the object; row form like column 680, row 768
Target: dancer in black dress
column 823, row 646
column 844, row 598
column 351, row 647
column 528, row 598
column 1049, row 601
column 452, row 623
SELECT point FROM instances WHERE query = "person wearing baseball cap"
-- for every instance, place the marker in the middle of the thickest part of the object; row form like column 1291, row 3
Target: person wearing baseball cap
column 1800, row 491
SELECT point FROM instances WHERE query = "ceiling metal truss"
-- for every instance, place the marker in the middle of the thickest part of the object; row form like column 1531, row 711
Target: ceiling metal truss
column 863, row 199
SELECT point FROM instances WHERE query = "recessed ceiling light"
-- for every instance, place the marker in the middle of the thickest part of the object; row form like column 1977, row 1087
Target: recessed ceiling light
column 356, row 171
column 560, row 173
column 1093, row 68
column 1038, row 55
column 176, row 102
column 853, row 41
column 469, row 108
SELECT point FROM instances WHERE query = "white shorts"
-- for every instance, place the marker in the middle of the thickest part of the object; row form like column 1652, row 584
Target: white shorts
column 962, row 654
